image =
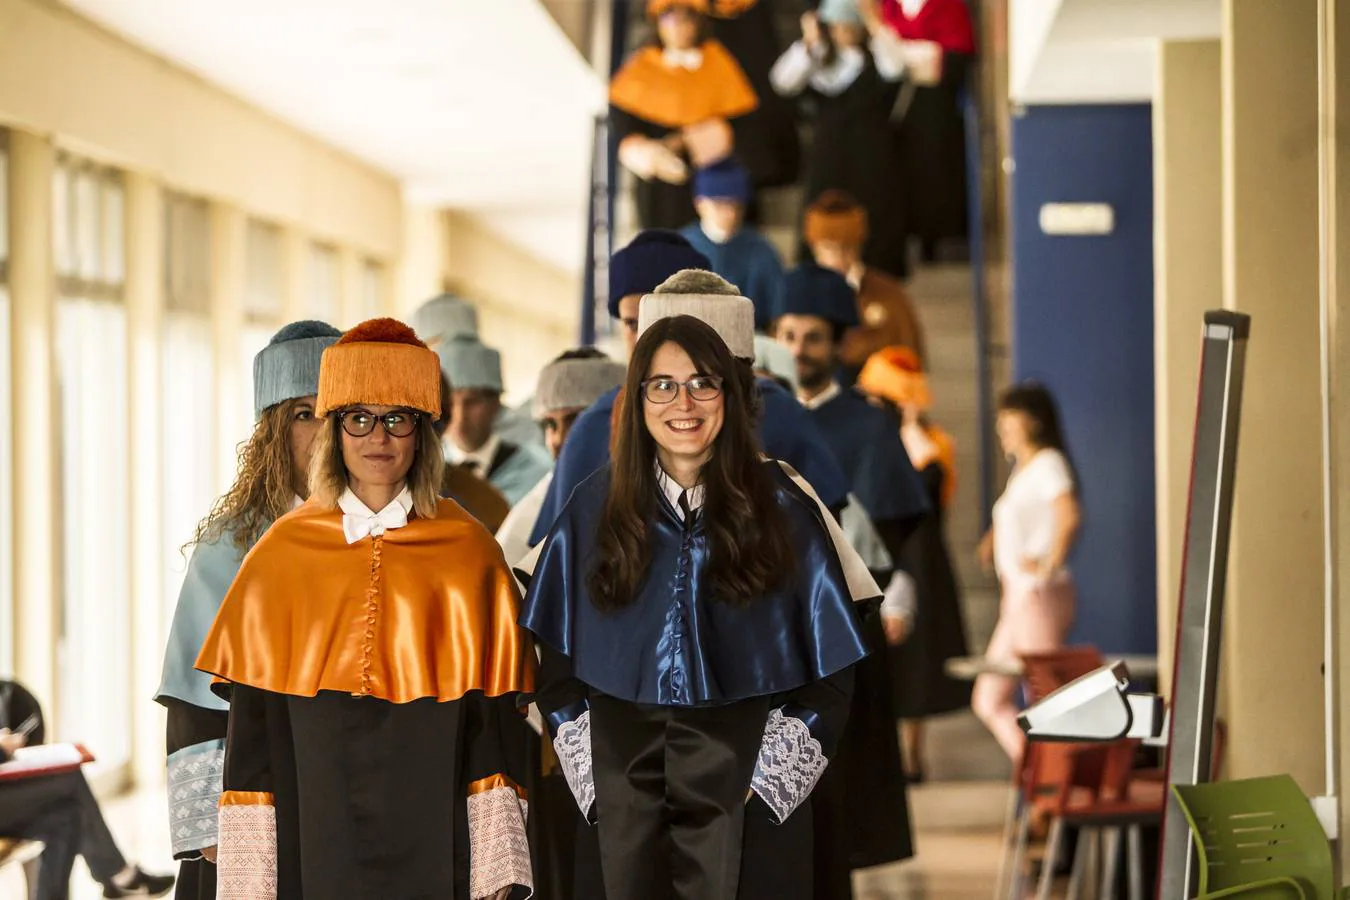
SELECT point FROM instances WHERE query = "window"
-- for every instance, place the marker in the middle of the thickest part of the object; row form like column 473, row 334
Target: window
column 325, row 285
column 188, row 421
column 7, row 630
column 372, row 290
column 94, row 653
column 264, row 301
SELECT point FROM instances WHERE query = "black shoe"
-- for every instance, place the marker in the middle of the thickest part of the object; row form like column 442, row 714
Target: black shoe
column 143, row 885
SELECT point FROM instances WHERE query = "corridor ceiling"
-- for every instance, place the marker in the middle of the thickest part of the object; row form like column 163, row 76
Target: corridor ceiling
column 483, row 105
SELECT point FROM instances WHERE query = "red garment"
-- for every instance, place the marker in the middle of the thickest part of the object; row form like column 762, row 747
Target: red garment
column 946, row 22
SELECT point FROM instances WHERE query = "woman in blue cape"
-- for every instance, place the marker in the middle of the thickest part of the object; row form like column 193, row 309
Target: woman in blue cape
column 273, row 467
column 698, row 635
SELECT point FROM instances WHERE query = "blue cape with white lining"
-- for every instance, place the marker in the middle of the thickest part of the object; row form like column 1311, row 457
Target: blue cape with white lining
column 676, row 644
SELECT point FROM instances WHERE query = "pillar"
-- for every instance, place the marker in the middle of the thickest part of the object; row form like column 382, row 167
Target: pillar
column 37, row 448
column 144, row 292
column 1274, row 642
column 1188, row 279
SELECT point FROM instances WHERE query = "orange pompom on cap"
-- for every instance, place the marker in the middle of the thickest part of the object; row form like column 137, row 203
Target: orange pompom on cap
column 895, row 374
column 381, row 362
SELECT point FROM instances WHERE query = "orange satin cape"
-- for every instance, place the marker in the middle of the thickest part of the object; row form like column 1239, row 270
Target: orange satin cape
column 426, row 610
column 676, row 97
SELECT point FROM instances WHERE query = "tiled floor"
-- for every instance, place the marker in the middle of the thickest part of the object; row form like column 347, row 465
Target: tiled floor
column 957, row 844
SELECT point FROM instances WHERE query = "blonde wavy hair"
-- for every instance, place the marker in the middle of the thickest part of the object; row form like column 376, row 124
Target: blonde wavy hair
column 264, row 490
column 328, row 472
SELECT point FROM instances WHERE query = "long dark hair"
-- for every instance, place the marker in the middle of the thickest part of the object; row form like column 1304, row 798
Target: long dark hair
column 1034, row 400
column 751, row 548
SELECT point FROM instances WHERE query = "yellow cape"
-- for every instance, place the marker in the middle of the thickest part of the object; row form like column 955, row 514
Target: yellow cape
column 426, row 610
column 676, row 97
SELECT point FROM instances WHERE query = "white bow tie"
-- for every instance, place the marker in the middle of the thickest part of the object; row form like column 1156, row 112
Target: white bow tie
column 683, row 59
column 354, row 528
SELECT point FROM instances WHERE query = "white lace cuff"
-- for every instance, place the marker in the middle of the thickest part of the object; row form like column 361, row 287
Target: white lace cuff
column 790, row 763
column 573, row 746
column 246, row 865
column 194, row 775
column 499, row 851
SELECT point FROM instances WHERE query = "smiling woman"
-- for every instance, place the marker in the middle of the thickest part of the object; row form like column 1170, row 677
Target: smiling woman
column 370, row 648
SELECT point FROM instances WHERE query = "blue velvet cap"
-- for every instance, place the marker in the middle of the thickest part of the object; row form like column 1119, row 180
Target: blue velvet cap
column 726, row 180
column 812, row 290
column 288, row 367
column 648, row 260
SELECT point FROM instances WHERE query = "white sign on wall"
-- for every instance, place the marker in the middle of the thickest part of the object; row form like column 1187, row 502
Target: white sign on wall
column 1077, row 219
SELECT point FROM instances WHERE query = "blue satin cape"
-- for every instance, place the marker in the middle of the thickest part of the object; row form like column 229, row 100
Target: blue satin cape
column 866, row 443
column 675, row 645
column 787, row 432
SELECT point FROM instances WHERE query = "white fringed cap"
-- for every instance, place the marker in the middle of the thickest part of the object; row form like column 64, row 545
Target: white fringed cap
column 709, row 298
column 575, row 383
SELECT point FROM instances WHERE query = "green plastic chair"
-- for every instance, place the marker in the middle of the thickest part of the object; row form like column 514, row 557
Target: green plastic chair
column 1258, row 839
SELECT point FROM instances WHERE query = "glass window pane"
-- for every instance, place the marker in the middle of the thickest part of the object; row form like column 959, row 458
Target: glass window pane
column 114, row 231
column 325, row 291
column 94, row 664
column 62, row 222
column 189, row 442
column 88, row 246
column 266, row 277
column 372, row 290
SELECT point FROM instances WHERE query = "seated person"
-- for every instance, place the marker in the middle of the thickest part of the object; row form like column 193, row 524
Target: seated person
column 61, row 812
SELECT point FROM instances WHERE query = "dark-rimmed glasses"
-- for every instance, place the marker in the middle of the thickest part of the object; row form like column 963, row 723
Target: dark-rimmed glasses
column 399, row 423
column 664, row 390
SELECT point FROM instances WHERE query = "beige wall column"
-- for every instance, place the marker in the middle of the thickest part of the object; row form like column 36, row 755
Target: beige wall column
column 1188, row 274
column 1336, row 200
column 350, row 265
column 1274, row 642
column 145, row 329
column 422, row 266
column 37, row 544
column 227, row 321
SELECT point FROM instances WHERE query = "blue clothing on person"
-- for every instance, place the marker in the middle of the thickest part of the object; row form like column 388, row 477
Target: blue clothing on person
column 748, row 261
column 787, row 432
column 866, row 442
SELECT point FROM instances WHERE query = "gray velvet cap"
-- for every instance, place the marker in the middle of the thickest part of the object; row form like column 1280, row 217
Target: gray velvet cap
column 575, row 383
column 470, row 364
column 288, row 367
column 445, row 318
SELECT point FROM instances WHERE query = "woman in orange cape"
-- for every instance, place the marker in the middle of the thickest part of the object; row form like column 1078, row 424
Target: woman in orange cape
column 370, row 650
column 672, row 107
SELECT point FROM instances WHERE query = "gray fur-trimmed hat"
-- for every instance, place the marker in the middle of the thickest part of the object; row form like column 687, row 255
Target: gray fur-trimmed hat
column 470, row 364
column 708, row 298
column 288, row 367
column 575, row 383
column 776, row 359
column 445, row 318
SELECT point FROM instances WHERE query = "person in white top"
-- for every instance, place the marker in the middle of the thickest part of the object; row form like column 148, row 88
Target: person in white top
column 1036, row 522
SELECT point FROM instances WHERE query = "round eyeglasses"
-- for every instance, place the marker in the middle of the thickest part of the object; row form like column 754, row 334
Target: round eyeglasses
column 665, row 390
column 359, row 422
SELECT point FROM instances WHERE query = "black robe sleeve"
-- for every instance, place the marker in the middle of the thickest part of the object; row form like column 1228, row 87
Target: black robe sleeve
column 497, row 767
column 247, row 854
column 801, row 735
column 195, row 746
column 563, row 702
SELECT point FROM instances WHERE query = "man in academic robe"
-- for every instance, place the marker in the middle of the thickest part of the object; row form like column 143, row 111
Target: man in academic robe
column 464, row 486
column 930, row 123
column 738, row 252
column 818, row 307
column 375, row 669
column 836, row 230
column 475, row 374
column 786, row 432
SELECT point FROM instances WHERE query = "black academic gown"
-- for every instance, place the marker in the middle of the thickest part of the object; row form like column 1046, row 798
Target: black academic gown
column 855, row 150
column 931, row 133
column 922, row 685
column 188, row 725
column 870, row 821
column 675, row 727
column 767, row 143
column 351, row 825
